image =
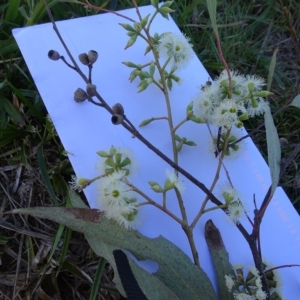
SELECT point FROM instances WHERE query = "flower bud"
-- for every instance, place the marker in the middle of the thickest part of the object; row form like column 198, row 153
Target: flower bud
column 92, row 56
column 118, row 109
column 263, row 94
column 117, row 119
column 80, row 95
column 83, row 57
column 91, row 89
column 54, row 55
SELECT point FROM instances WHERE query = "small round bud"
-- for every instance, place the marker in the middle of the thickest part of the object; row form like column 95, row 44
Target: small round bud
column 91, row 89
column 118, row 109
column 80, row 95
column 283, row 142
column 117, row 119
column 93, row 56
column 83, row 57
column 54, row 55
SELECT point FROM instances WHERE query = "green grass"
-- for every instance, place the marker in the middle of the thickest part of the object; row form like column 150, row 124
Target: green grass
column 31, row 150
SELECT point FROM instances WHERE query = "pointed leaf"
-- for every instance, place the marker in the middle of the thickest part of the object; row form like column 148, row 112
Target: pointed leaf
column 274, row 150
column 220, row 259
column 176, row 271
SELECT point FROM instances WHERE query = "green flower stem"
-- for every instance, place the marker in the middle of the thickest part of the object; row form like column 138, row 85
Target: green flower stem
column 158, row 84
column 152, row 202
column 90, row 181
column 164, row 200
column 214, row 208
column 202, row 209
column 151, row 20
column 179, row 124
column 165, row 64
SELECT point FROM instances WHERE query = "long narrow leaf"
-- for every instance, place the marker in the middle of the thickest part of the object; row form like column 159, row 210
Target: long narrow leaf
column 45, row 175
column 274, row 150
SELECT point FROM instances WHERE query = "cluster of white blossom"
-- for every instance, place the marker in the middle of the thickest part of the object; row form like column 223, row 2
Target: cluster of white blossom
column 176, row 48
column 250, row 288
column 217, row 106
column 236, row 208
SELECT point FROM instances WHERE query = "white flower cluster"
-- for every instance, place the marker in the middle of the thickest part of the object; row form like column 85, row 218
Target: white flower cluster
column 118, row 200
column 252, row 282
column 214, row 104
column 177, row 48
column 236, row 209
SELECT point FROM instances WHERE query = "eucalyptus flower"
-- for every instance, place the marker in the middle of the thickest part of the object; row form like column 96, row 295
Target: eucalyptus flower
column 177, row 48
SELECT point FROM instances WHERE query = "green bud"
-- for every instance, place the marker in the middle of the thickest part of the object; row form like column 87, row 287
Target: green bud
column 168, row 185
column 239, row 124
column 149, row 80
column 190, row 143
column 125, row 162
column 235, row 147
column 144, row 21
column 145, row 122
column 130, row 33
column 133, row 75
column 243, row 117
column 154, row 3
column 262, row 94
column 148, row 49
column 152, row 69
column 231, row 139
column 228, row 198
column 131, row 41
column 129, row 64
column 190, row 113
column 175, row 78
column 197, row 120
column 254, row 103
column 127, row 27
column 177, row 138
column 109, row 162
column 165, row 10
column 156, row 187
column 82, row 181
column 251, row 87
column 102, row 153
column 143, row 85
column 112, row 150
column 167, row 4
column 224, row 83
column 144, row 75
column 137, row 26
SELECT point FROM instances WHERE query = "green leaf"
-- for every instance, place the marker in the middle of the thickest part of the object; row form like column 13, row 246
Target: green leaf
column 11, row 110
column 176, row 271
column 44, row 173
column 220, row 259
column 212, row 10
column 296, row 101
column 12, row 10
column 272, row 69
column 274, row 150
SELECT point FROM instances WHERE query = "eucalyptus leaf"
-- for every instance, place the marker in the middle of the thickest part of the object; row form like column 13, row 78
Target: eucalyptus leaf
column 220, row 259
column 176, row 271
column 274, row 149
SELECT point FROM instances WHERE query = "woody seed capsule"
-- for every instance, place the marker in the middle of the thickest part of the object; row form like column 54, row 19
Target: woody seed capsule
column 80, row 95
column 92, row 56
column 54, row 55
column 83, row 57
column 117, row 119
column 91, row 89
column 118, row 109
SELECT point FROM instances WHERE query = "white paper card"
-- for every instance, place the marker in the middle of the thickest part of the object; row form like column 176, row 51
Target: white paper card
column 85, row 129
